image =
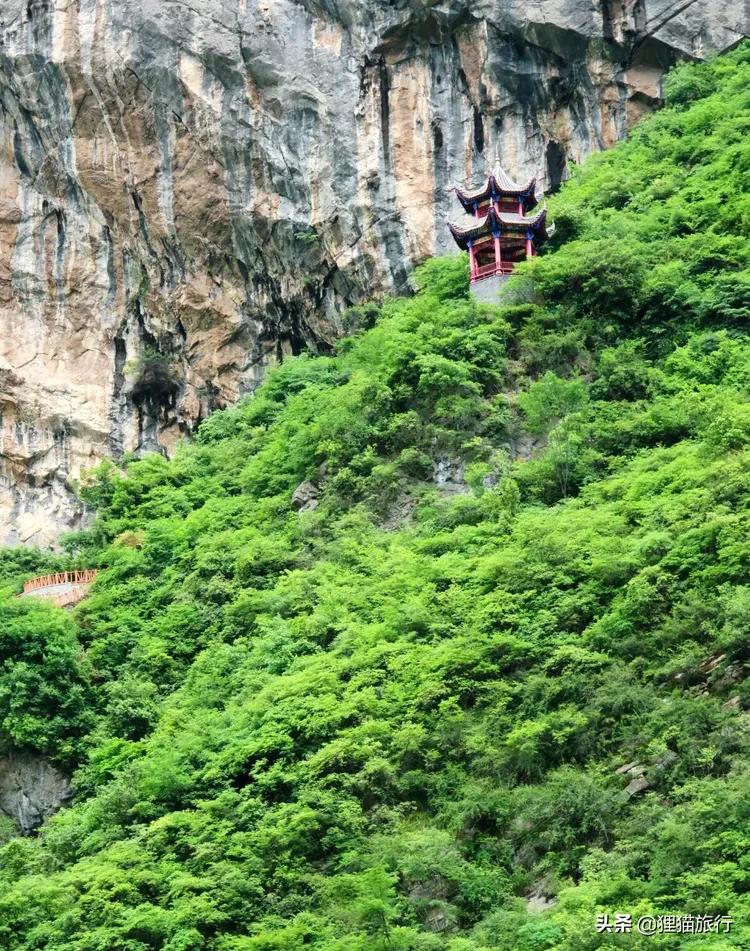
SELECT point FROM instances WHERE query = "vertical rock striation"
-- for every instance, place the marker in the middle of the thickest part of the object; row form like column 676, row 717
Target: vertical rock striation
column 189, row 191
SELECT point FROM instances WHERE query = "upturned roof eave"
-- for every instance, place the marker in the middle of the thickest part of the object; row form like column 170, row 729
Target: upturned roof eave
column 503, row 186
column 504, row 219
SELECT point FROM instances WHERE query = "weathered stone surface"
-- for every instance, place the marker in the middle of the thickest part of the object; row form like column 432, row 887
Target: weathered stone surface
column 190, row 191
column 540, row 899
column 638, row 785
column 305, row 497
column 488, row 290
column 30, row 789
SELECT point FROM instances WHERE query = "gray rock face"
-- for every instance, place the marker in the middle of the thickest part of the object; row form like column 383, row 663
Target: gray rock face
column 488, row 290
column 305, row 497
column 30, row 790
column 190, row 191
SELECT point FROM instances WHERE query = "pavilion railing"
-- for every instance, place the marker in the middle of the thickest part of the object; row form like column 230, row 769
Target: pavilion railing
column 490, row 270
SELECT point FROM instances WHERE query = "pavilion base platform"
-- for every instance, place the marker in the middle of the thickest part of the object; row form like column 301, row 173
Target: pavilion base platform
column 488, row 289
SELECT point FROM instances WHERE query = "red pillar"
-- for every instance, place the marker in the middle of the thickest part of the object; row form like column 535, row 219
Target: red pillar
column 520, row 206
column 529, row 245
column 472, row 261
column 498, row 254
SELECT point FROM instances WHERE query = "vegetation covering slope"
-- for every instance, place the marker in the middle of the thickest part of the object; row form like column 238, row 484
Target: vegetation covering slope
column 380, row 723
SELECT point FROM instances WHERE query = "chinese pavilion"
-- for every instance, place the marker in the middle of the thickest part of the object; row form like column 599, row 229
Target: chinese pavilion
column 499, row 228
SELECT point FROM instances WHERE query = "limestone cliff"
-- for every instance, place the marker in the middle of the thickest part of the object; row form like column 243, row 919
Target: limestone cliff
column 188, row 191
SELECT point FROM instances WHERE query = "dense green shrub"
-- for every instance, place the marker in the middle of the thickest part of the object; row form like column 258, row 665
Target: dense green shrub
column 382, row 722
column 45, row 694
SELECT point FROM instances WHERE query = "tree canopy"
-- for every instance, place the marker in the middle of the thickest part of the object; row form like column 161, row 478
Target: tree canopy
column 384, row 722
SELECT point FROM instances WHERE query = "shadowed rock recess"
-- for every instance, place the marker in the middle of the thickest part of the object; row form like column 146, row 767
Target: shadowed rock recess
column 190, row 191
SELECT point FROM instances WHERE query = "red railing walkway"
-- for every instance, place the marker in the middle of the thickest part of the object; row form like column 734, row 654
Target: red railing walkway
column 62, row 587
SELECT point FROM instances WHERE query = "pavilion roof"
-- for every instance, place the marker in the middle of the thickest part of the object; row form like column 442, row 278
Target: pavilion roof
column 468, row 228
column 498, row 183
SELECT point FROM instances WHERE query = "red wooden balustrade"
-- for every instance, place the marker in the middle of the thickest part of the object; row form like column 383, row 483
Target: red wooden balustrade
column 59, row 578
column 490, row 270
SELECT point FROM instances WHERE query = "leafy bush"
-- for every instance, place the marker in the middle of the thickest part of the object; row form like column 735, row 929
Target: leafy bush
column 504, row 654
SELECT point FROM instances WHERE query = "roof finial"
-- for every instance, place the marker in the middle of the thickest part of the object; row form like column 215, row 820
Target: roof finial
column 498, row 166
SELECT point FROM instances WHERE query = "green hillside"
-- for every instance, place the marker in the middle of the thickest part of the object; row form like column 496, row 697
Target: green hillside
column 382, row 723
